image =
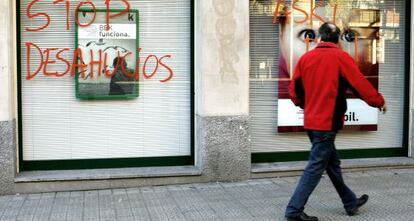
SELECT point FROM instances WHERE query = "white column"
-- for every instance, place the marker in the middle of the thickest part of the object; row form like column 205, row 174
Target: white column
column 6, row 61
column 222, row 57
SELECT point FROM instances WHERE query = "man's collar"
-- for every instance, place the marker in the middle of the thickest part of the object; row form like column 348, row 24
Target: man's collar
column 327, row 45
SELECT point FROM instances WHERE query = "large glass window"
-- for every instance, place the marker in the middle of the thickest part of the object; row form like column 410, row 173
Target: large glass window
column 373, row 33
column 83, row 105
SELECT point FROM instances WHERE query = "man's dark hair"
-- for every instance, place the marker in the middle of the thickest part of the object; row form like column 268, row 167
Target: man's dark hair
column 329, row 32
column 117, row 61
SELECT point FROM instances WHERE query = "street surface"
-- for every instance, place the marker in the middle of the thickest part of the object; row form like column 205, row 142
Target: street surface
column 391, row 199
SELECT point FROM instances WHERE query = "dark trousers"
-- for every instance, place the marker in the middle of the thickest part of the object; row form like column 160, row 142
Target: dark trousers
column 323, row 156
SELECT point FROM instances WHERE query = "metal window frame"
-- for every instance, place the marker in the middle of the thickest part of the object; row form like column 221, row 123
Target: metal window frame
column 102, row 163
column 404, row 151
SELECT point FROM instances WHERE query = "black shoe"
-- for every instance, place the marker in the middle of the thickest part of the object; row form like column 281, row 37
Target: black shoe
column 302, row 217
column 360, row 202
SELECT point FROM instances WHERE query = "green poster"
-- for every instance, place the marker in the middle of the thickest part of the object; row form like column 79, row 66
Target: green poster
column 107, row 54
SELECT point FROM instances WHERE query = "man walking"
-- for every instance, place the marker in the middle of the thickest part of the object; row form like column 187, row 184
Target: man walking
column 319, row 84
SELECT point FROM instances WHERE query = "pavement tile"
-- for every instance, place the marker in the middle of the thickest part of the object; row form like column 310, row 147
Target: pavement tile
column 104, row 192
column 132, row 190
column 77, row 194
column 174, row 212
column 25, row 217
column 13, row 206
column 58, row 216
column 119, row 191
column 91, row 215
column 8, row 218
column 41, row 217
column 125, row 218
column 34, row 196
column 29, row 205
column 157, row 213
column 74, row 216
column 62, row 194
column 124, row 212
column 48, row 195
column 189, row 210
column 140, row 213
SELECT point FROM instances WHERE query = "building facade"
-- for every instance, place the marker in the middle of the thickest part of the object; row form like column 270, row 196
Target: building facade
column 101, row 94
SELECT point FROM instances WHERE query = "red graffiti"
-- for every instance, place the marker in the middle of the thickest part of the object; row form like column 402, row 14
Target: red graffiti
column 171, row 73
column 47, row 17
column 77, row 62
column 31, row 16
column 300, row 10
column 53, row 56
column 77, row 11
column 145, row 64
column 67, row 4
column 108, row 15
column 93, row 62
column 313, row 14
column 309, row 15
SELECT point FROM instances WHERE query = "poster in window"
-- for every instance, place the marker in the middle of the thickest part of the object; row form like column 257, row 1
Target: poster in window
column 106, row 54
column 298, row 23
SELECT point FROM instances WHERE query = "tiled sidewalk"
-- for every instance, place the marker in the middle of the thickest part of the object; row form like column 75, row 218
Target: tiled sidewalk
column 391, row 198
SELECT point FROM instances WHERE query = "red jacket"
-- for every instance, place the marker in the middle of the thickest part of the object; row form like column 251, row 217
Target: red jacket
column 321, row 79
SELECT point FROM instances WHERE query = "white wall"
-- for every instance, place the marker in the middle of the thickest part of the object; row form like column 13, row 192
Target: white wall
column 6, row 61
column 222, row 57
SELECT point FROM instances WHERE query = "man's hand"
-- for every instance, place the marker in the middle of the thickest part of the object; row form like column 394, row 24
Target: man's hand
column 383, row 109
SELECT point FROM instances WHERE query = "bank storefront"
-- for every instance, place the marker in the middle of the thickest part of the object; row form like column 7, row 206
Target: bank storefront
column 375, row 33
column 124, row 93
column 105, row 84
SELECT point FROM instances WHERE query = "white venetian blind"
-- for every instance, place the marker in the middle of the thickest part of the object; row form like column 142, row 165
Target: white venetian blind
column 264, row 59
column 57, row 125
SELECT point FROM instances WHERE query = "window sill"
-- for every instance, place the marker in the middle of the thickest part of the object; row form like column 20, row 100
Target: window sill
column 346, row 164
column 106, row 174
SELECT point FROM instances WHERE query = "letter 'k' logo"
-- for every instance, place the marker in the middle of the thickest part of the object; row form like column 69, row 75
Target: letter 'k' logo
column 130, row 17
